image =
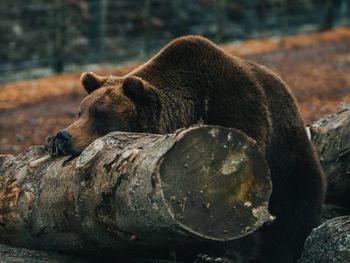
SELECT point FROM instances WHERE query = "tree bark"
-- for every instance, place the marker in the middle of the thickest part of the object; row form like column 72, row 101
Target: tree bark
column 329, row 243
column 331, row 137
column 136, row 192
column 10, row 254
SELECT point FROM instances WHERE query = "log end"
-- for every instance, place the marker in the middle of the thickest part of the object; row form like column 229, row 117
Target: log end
column 222, row 195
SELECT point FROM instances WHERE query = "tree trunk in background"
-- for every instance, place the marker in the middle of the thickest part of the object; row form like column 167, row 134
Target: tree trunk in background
column 97, row 27
column 329, row 243
column 332, row 8
column 59, row 36
column 136, row 193
column 221, row 10
column 147, row 26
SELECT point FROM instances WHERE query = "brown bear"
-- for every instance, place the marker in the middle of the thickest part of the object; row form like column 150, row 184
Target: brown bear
column 192, row 80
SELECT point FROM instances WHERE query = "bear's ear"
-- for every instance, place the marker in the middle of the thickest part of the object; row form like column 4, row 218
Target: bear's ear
column 138, row 90
column 92, row 81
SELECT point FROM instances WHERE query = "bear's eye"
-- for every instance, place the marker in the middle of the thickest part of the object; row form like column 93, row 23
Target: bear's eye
column 79, row 114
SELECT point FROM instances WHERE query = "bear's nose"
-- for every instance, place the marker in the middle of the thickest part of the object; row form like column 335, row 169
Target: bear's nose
column 63, row 136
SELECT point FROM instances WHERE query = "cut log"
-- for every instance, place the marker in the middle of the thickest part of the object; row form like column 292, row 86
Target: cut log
column 329, row 243
column 20, row 255
column 136, row 192
column 331, row 137
column 10, row 254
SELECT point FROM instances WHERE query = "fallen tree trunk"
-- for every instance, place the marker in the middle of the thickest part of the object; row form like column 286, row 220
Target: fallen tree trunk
column 133, row 192
column 329, row 243
column 10, row 254
column 331, row 137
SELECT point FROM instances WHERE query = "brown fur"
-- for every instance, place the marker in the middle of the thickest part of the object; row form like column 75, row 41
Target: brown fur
column 191, row 80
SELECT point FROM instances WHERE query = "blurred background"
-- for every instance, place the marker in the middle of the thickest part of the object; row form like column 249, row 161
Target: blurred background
column 39, row 37
column 46, row 45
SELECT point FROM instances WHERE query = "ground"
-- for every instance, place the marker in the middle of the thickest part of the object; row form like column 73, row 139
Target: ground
column 316, row 68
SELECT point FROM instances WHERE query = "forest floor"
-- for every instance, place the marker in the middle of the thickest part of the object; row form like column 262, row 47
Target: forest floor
column 316, row 67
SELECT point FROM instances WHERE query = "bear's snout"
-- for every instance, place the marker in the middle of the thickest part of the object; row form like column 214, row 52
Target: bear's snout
column 60, row 144
column 63, row 136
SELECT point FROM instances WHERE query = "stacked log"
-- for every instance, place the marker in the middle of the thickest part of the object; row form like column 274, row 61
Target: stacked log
column 130, row 192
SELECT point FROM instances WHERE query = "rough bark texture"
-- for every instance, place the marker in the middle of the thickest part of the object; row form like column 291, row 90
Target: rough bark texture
column 10, row 254
column 329, row 243
column 136, row 192
column 331, row 137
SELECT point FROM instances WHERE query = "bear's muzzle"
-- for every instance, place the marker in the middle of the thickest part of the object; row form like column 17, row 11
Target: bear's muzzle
column 60, row 144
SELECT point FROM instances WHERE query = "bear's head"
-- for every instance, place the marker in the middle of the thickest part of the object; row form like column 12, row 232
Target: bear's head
column 113, row 104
